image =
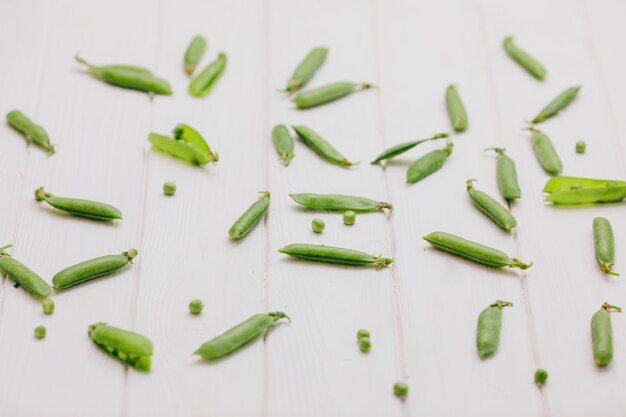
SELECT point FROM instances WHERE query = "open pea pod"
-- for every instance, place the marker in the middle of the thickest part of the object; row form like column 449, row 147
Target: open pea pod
column 576, row 190
column 129, row 347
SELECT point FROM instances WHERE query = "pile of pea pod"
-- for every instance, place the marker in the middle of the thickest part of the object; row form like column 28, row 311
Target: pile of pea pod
column 187, row 145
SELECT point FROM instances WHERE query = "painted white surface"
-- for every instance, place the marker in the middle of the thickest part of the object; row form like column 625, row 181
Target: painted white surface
column 421, row 313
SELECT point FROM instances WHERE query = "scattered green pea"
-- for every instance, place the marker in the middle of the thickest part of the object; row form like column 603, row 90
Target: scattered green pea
column 494, row 210
column 188, row 134
column 338, row 202
column 364, row 344
column 526, row 61
column 602, row 334
column 574, row 190
column 581, row 146
column 194, row 53
column 428, row 164
column 604, row 244
column 196, row 306
column 23, row 276
column 202, row 83
column 31, row 131
column 362, row 333
column 330, row 254
column 456, row 109
column 91, row 269
column 545, row 152
column 251, row 217
column 129, row 347
column 307, row 68
column 79, row 207
column 169, row 188
column 349, row 217
column 555, row 106
column 488, row 328
column 40, row 332
column 322, row 147
column 241, row 334
column 318, row 225
column 180, row 149
column 403, row 147
column 400, row 389
column 473, row 251
column 47, row 305
column 283, row 142
column 506, row 175
column 327, row 93
column 541, row 376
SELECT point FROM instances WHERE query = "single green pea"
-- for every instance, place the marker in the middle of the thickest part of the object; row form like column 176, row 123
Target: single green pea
column 40, row 332
column 526, row 61
column 575, row 190
column 364, row 344
column 47, row 305
column 349, row 217
column 196, row 306
column 602, row 334
column 456, row 109
column 318, row 225
column 488, row 328
column 541, row 376
column 169, row 188
column 83, row 208
column 581, row 146
column 400, row 389
column 194, row 53
column 334, row 255
column 31, row 131
column 362, row 333
column 555, row 106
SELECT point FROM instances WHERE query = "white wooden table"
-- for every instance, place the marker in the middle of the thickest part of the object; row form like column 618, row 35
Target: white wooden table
column 421, row 313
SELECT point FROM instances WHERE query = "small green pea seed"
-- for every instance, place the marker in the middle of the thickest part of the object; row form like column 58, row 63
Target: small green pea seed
column 349, row 217
column 581, row 146
column 196, row 306
column 40, row 332
column 401, row 389
column 318, row 225
column 365, row 344
column 362, row 333
column 169, row 188
column 541, row 376
column 48, row 305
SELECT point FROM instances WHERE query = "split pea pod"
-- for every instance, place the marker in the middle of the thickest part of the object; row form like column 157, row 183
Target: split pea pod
column 250, row 217
column 129, row 347
column 322, row 147
column 330, row 254
column 180, row 149
column 202, row 83
column 488, row 328
column 190, row 135
column 602, row 334
column 22, row 275
column 604, row 244
column 31, row 131
column 194, row 53
column 283, row 142
column 559, row 103
column 91, row 269
column 307, row 68
column 428, row 164
column 240, row 335
column 545, row 152
column 338, row 202
column 473, row 251
column 126, row 76
column 574, row 190
column 526, row 61
column 79, row 207
column 327, row 93
column 494, row 210
column 456, row 109
column 506, row 175
column 403, row 147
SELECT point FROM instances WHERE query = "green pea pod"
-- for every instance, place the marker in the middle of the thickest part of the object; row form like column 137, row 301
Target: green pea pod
column 602, row 334
column 327, row 93
column 564, row 183
column 494, row 210
column 555, row 106
column 238, row 336
column 427, row 164
column 250, row 217
column 91, row 269
column 201, row 84
column 307, row 68
column 403, row 147
column 31, row 131
column 604, row 244
column 133, row 78
column 322, row 147
column 79, row 207
column 194, row 53
column 473, row 251
column 488, row 328
column 179, row 149
column 456, row 109
column 339, row 202
column 330, row 254
column 283, row 142
column 129, row 347
column 22, row 275
column 545, row 152
column 526, row 61
column 574, row 190
column 506, row 175
column 190, row 135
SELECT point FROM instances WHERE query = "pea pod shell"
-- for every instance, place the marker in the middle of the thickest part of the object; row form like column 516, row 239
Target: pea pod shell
column 191, row 136
column 283, row 142
column 238, row 336
column 31, row 131
column 202, row 83
column 339, row 202
column 23, row 276
column 456, row 109
column 575, row 190
column 506, row 176
column 330, row 254
column 306, row 69
column 602, row 335
column 179, row 149
column 604, row 244
column 488, row 328
column 563, row 183
column 194, row 53
column 327, row 93
column 403, row 147
column 427, row 164
column 321, row 146
column 494, row 210
column 129, row 347
column 545, row 152
column 250, row 218
column 84, row 208
column 555, row 106
column 526, row 61
column 91, row 269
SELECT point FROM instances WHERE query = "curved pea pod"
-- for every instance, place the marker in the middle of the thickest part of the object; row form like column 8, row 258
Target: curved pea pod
column 327, row 93
column 129, row 347
column 250, row 217
column 179, row 148
column 488, row 328
column 238, row 336
column 322, row 147
column 91, row 269
column 555, row 106
column 456, row 109
column 526, row 61
column 201, row 84
column 191, row 136
column 283, row 142
column 604, row 244
column 194, row 53
column 545, row 152
column 403, row 147
column 338, row 202
column 494, row 210
column 575, row 190
column 473, row 251
column 126, row 76
column 79, row 207
column 307, row 68
column 334, row 255
column 427, row 164
column 31, row 131
column 506, row 175
column 22, row 275
column 602, row 334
